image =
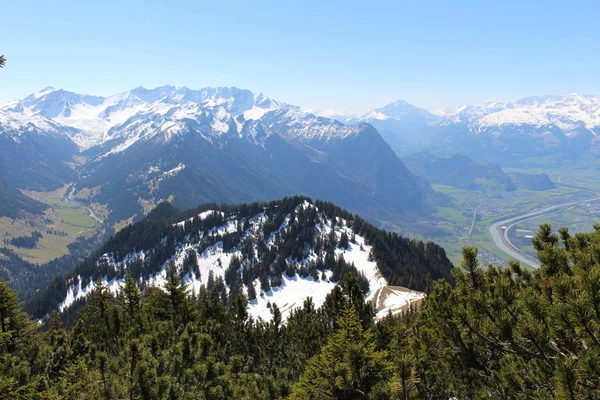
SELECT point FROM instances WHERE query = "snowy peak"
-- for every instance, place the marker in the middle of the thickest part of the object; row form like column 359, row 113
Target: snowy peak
column 398, row 110
column 297, row 125
column 401, row 108
column 531, row 129
column 99, row 118
column 150, row 95
column 566, row 112
column 441, row 111
column 214, row 113
column 15, row 124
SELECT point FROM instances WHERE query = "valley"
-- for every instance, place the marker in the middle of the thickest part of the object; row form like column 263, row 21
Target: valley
column 59, row 225
column 477, row 217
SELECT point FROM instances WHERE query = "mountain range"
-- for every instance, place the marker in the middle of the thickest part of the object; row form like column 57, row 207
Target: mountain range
column 193, row 146
column 537, row 129
column 131, row 150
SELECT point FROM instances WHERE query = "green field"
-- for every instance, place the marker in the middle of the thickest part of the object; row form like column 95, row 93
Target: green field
column 450, row 225
column 61, row 224
column 76, row 216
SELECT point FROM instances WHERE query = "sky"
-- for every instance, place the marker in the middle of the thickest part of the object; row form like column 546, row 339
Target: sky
column 342, row 55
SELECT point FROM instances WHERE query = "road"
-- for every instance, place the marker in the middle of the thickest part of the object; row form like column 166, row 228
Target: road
column 500, row 236
column 472, row 225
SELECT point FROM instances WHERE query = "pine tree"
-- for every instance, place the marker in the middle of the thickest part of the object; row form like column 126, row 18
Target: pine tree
column 180, row 305
column 348, row 366
column 9, row 315
column 132, row 302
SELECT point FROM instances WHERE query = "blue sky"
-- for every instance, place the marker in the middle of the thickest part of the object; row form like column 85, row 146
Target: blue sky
column 319, row 55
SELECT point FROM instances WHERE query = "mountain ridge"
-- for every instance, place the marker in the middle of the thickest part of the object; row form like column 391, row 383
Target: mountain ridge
column 285, row 249
column 567, row 125
column 459, row 171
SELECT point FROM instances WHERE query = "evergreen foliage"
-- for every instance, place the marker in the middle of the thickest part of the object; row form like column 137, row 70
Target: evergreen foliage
column 26, row 242
column 496, row 334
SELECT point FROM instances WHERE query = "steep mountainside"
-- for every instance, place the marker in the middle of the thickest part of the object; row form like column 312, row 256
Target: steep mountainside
column 526, row 129
column 221, row 145
column 13, row 203
column 35, row 152
column 279, row 252
column 459, row 171
column 533, row 181
column 399, row 124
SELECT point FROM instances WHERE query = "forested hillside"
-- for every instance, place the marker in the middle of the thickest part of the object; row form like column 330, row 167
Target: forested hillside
column 533, row 181
column 459, row 171
column 281, row 251
column 13, row 203
column 498, row 333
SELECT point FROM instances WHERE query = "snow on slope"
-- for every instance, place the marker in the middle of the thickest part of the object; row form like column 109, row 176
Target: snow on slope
column 16, row 124
column 141, row 114
column 566, row 112
column 99, row 118
column 213, row 261
column 298, row 125
column 394, row 300
column 398, row 110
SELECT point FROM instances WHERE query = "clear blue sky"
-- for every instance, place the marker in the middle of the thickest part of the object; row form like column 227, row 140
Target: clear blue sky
column 319, row 55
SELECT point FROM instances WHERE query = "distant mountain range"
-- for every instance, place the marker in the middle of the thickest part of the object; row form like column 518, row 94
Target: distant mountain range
column 507, row 132
column 465, row 173
column 399, row 123
column 193, row 146
column 460, row 171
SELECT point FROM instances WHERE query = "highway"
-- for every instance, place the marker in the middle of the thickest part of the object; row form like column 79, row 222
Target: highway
column 500, row 236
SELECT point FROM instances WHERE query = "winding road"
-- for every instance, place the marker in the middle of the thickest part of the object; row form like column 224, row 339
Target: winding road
column 500, row 236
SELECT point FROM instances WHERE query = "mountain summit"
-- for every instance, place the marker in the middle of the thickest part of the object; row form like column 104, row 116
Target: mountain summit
column 399, row 124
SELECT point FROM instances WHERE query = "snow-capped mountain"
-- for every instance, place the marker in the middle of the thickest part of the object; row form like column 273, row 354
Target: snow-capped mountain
column 99, row 119
column 398, row 123
column 215, row 144
column 16, row 124
column 569, row 113
column 35, row 151
column 566, row 126
column 398, row 110
column 274, row 253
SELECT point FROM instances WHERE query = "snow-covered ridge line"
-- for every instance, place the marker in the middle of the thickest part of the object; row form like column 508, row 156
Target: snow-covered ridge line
column 167, row 112
column 566, row 112
column 212, row 262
